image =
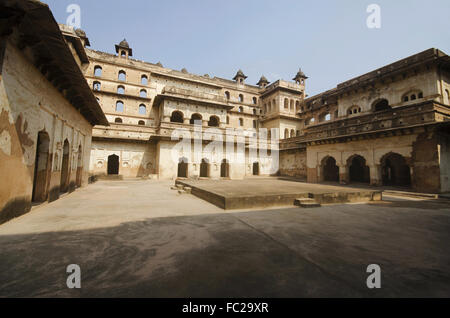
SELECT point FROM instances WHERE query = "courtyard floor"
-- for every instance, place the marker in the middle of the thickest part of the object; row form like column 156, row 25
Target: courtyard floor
column 137, row 238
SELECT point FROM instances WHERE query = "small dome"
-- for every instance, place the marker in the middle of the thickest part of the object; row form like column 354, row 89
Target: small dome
column 263, row 80
column 300, row 75
column 124, row 43
column 239, row 74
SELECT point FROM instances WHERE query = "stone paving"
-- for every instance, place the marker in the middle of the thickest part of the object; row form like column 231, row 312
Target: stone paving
column 141, row 239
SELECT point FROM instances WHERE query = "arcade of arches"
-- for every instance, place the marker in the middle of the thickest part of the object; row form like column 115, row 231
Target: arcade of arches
column 393, row 169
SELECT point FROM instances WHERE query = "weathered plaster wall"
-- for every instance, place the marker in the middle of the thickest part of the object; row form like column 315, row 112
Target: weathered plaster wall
column 30, row 104
column 136, row 159
column 293, row 163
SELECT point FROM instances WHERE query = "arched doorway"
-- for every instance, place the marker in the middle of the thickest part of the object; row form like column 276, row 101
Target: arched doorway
column 65, row 169
column 113, row 165
column 196, row 119
column 330, row 170
column 256, row 168
column 380, row 105
column 182, row 168
column 213, row 121
column 358, row 170
column 79, row 166
column 204, row 169
column 224, row 169
column 41, row 168
column 177, row 117
column 395, row 171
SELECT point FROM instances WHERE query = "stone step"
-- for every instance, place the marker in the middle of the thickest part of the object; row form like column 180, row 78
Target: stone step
column 188, row 190
column 306, row 203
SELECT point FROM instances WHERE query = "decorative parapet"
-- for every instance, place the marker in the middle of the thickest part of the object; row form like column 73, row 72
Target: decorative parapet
column 400, row 118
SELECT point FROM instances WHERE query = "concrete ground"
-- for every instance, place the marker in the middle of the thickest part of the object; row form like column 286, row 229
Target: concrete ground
column 141, row 239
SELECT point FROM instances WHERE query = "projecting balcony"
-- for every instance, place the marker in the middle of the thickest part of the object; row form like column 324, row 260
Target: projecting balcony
column 392, row 120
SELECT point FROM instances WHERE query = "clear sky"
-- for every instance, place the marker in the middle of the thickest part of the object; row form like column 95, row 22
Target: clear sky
column 329, row 40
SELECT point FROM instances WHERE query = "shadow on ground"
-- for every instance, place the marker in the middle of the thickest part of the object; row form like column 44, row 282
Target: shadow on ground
column 277, row 253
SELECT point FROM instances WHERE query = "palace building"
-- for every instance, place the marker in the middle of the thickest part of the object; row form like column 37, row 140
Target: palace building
column 387, row 127
column 146, row 102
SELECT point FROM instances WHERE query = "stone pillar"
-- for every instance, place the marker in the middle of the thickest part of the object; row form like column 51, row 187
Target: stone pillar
column 375, row 175
column 343, row 175
column 205, row 123
column 166, row 119
column 186, row 121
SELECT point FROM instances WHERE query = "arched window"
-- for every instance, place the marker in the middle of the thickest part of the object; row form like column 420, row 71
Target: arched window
column 309, row 121
column 241, row 122
column 286, row 103
column 144, row 80
column 120, row 90
column 354, row 110
column 97, row 86
column 292, row 105
column 227, row 95
column 241, row 98
column 412, row 95
column 254, row 124
column 118, row 120
column 213, row 121
column 254, row 111
column 292, row 133
column 297, row 106
column 324, row 117
column 228, row 120
column 241, row 109
column 98, row 71
column 123, row 54
column 255, row 100
column 119, row 106
column 381, row 105
column 142, row 109
column 196, row 119
column 286, row 133
column 122, row 76
column 141, row 123
column 448, row 96
column 177, row 117
column 143, row 93
column 269, row 108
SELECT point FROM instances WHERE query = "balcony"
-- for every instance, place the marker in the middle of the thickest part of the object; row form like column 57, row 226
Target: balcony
column 405, row 117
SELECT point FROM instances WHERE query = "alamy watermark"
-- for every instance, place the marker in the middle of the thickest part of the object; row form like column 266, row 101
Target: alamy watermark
column 235, row 145
column 74, row 19
column 74, row 278
column 374, row 19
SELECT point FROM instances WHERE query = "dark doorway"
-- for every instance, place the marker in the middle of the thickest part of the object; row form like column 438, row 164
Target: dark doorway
column 41, row 168
column 113, row 165
column 65, row 169
column 358, row 171
column 395, row 171
column 256, row 168
column 380, row 105
column 177, row 117
column 224, row 169
column 330, row 170
column 196, row 119
column 204, row 169
column 79, row 167
column 182, row 168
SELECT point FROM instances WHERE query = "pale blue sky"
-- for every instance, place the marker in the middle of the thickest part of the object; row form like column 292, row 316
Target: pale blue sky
column 328, row 39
